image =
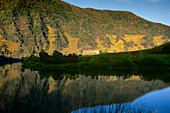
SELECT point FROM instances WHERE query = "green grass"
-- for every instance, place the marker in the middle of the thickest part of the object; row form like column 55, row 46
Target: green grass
column 138, row 60
column 152, row 64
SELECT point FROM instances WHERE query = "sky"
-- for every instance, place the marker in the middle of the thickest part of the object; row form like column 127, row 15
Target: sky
column 153, row 10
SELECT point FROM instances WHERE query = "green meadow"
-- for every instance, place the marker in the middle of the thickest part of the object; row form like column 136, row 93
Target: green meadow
column 157, row 58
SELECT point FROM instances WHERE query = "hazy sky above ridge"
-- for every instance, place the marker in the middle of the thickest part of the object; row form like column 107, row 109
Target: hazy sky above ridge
column 152, row 10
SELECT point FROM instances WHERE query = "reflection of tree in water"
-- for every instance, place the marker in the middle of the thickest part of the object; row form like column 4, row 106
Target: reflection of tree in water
column 146, row 74
column 116, row 108
column 37, row 101
column 156, row 75
column 40, row 102
column 27, row 92
column 60, row 74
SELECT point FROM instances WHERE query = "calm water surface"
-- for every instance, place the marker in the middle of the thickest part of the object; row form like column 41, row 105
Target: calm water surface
column 26, row 91
column 156, row 101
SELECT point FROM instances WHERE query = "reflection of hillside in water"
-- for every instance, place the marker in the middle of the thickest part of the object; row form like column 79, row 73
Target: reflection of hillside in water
column 22, row 90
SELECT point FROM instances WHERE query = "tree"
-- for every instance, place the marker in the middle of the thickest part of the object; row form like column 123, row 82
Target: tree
column 43, row 56
column 57, row 57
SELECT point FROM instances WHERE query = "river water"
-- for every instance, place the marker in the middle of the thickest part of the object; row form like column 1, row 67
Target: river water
column 26, row 91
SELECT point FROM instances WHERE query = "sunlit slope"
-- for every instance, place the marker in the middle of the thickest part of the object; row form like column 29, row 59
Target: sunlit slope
column 72, row 46
column 28, row 27
column 130, row 43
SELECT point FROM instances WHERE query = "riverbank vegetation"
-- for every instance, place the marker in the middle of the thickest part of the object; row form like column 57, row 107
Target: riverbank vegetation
column 8, row 60
column 155, row 58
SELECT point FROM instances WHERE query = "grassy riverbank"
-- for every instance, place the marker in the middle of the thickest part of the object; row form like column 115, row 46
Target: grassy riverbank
column 155, row 58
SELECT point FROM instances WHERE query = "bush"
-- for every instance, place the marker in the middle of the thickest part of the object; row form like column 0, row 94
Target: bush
column 71, row 58
column 124, row 62
column 57, row 57
column 152, row 61
column 95, row 63
column 82, row 64
column 43, row 56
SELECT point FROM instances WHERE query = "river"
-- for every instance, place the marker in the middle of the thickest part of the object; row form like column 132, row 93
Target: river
column 26, row 91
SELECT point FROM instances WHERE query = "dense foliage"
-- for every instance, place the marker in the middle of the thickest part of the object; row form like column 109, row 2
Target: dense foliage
column 8, row 60
column 144, row 59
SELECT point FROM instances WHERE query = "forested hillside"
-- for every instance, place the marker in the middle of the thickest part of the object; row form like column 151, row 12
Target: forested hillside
column 28, row 27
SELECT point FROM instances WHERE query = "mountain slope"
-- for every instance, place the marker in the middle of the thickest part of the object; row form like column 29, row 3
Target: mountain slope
column 27, row 27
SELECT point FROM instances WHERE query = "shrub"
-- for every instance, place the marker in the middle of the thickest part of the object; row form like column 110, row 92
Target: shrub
column 82, row 64
column 43, row 56
column 95, row 63
column 124, row 62
column 152, row 61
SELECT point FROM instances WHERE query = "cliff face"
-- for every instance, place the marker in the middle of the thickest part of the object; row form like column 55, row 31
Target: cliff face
column 27, row 27
column 22, row 90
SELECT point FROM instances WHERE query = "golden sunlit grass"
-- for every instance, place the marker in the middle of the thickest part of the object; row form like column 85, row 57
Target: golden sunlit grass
column 120, row 46
column 116, row 47
column 135, row 38
column 72, row 47
column 158, row 40
column 11, row 46
column 52, row 39
column 100, row 46
column 135, row 48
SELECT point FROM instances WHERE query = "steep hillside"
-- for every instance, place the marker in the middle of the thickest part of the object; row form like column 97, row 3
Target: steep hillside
column 27, row 27
column 162, row 49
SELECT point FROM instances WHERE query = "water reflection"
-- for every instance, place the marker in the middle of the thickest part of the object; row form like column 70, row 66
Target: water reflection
column 156, row 101
column 23, row 90
column 117, row 108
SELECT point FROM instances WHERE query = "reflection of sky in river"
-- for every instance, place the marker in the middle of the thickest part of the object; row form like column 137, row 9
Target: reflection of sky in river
column 156, row 101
